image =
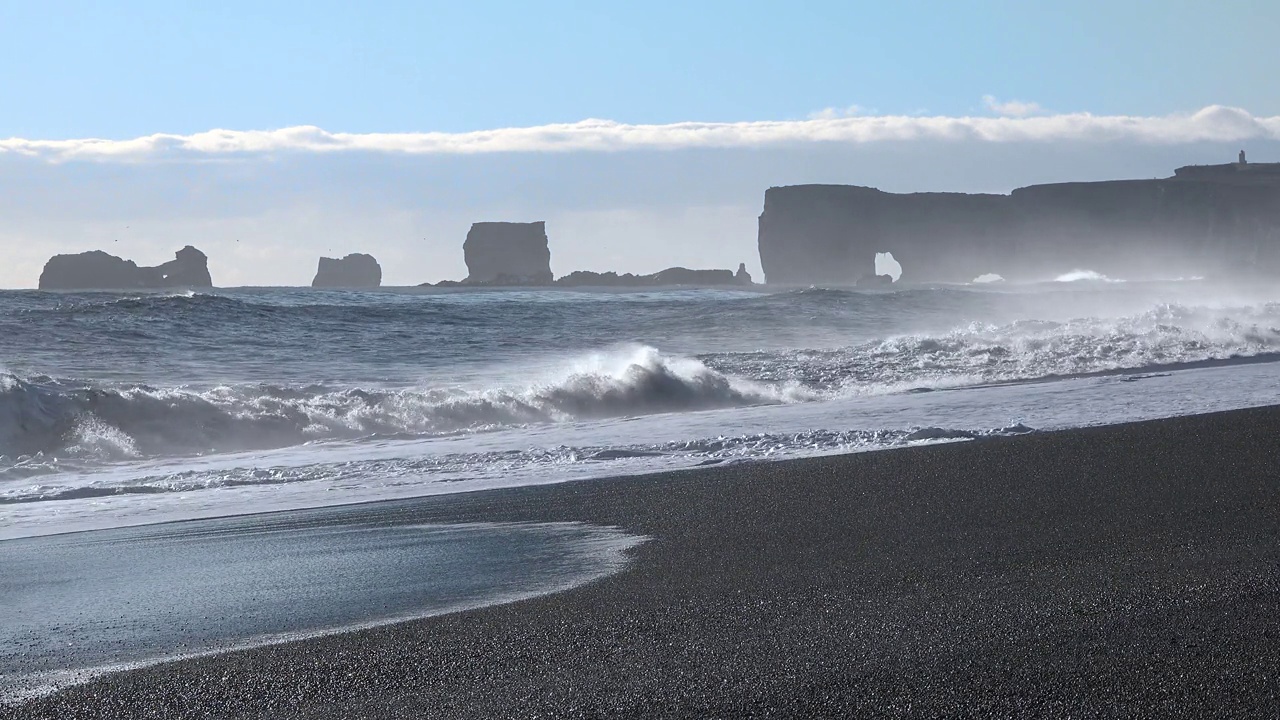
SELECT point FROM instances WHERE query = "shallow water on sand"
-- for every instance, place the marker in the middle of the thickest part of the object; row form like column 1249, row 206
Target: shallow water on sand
column 78, row 605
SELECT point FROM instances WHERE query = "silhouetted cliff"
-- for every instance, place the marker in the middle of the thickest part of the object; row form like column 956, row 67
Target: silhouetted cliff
column 504, row 253
column 1221, row 220
column 356, row 270
column 96, row 270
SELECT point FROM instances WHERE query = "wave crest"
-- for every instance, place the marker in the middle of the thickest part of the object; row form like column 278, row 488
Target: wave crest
column 45, row 416
column 1167, row 336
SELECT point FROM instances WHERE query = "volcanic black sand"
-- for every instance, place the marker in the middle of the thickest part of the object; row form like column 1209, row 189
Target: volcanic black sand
column 1123, row 571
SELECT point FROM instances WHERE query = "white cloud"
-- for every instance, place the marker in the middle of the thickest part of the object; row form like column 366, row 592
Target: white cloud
column 833, row 113
column 1212, row 124
column 1011, row 108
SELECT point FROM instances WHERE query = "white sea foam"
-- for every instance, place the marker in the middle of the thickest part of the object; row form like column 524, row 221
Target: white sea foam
column 113, row 424
column 1079, row 275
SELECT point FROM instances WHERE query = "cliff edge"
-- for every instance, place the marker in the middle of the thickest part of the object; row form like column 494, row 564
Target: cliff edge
column 97, row 270
column 1208, row 221
column 356, row 270
column 506, row 253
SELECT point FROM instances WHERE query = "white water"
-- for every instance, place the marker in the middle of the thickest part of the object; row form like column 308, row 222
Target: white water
column 422, row 394
column 336, row 472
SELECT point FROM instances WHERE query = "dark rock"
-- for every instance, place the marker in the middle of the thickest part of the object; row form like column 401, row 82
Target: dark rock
column 356, row 270
column 685, row 276
column 96, row 270
column 504, row 253
column 742, row 276
column 670, row 276
column 587, row 278
column 1221, row 220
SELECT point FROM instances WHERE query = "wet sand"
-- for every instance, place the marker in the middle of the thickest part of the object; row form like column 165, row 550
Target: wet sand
column 1123, row 571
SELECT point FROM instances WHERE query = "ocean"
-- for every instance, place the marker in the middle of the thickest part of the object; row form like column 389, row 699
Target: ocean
column 128, row 408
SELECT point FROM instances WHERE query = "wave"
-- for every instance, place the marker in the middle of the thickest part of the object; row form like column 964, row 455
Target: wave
column 1084, row 276
column 1169, row 336
column 42, row 416
column 471, row 466
column 47, row 422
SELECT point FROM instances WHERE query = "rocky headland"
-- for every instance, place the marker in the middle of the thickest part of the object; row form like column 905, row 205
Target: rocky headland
column 1208, row 221
column 356, row 270
column 97, row 270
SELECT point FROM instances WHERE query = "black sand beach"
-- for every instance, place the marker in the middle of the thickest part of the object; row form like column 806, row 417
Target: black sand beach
column 1128, row 571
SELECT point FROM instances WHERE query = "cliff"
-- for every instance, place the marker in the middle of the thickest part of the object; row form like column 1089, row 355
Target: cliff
column 503, row 253
column 96, row 270
column 356, row 270
column 1220, row 220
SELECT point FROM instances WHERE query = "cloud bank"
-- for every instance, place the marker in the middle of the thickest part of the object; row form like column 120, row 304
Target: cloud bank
column 1019, row 123
column 1011, row 108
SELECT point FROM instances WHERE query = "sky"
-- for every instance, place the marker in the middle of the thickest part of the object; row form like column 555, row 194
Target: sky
column 645, row 134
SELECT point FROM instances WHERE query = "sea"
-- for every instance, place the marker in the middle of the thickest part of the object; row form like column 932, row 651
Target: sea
column 123, row 412
column 120, row 409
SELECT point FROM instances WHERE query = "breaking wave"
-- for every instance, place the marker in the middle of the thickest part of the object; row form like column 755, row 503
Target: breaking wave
column 1083, row 276
column 43, row 417
column 40, row 416
column 1169, row 336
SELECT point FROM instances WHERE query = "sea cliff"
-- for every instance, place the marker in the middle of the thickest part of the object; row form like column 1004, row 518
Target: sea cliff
column 1210, row 221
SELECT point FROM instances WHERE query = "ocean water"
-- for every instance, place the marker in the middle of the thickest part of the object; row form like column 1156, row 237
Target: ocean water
column 121, row 409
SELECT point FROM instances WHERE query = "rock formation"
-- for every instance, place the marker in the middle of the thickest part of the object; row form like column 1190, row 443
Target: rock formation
column 96, row 270
column 504, row 253
column 668, row 277
column 356, row 270
column 1216, row 220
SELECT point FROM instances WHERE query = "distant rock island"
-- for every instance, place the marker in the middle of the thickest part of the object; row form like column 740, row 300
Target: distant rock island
column 356, row 270
column 1206, row 220
column 668, row 277
column 96, row 270
column 507, row 254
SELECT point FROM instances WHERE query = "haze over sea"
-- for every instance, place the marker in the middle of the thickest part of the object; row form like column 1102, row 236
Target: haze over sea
column 130, row 408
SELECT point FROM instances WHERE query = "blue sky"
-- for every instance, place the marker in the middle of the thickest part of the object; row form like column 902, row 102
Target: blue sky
column 644, row 134
column 92, row 69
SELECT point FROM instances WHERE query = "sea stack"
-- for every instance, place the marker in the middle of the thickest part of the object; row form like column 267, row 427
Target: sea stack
column 507, row 253
column 1206, row 221
column 356, row 270
column 97, row 270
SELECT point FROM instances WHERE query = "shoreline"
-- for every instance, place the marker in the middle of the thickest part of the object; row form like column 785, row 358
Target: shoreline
column 1123, row 569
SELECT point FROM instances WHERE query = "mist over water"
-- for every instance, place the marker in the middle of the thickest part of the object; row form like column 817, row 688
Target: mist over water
column 115, row 405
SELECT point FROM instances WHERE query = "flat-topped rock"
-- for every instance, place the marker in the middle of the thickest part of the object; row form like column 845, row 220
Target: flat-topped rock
column 507, row 253
column 356, row 270
column 97, row 270
column 1206, row 221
